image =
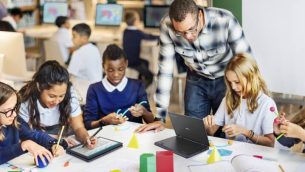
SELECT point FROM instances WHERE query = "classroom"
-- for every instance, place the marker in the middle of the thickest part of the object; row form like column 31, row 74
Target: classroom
column 152, row 85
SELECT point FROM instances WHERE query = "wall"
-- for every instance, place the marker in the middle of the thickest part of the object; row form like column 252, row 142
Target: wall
column 276, row 32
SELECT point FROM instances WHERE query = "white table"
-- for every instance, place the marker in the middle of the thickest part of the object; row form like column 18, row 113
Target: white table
column 127, row 159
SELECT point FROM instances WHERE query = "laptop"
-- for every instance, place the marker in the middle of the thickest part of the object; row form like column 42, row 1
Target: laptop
column 191, row 137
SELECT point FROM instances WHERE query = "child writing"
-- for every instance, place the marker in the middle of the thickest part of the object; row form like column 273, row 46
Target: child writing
column 16, row 137
column 85, row 62
column 293, row 133
column 50, row 102
column 132, row 38
column 63, row 38
column 116, row 93
column 244, row 112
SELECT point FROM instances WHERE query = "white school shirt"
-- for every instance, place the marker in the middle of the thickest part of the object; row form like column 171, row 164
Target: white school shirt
column 63, row 37
column 11, row 20
column 86, row 63
column 260, row 121
column 50, row 116
column 109, row 87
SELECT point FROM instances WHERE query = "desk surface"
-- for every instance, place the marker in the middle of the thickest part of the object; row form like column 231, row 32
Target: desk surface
column 127, row 159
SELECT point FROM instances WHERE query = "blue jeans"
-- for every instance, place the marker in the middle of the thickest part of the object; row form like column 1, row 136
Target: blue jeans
column 202, row 95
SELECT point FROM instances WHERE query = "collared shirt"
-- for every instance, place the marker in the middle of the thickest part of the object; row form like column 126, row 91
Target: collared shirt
column 208, row 55
column 260, row 121
column 110, row 88
column 64, row 38
column 50, row 116
column 86, row 63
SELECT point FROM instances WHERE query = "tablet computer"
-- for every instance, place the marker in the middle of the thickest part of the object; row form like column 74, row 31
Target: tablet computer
column 103, row 147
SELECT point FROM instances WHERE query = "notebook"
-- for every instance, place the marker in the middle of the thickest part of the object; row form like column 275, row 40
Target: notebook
column 191, row 137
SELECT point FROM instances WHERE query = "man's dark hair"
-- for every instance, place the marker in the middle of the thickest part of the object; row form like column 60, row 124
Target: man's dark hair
column 16, row 12
column 82, row 29
column 113, row 52
column 60, row 20
column 180, row 8
column 130, row 18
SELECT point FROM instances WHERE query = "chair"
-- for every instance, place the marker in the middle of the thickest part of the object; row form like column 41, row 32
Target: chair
column 14, row 61
column 53, row 51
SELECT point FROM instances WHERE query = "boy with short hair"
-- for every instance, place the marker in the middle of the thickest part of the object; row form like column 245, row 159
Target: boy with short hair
column 85, row 62
column 63, row 38
column 132, row 38
column 14, row 17
column 116, row 94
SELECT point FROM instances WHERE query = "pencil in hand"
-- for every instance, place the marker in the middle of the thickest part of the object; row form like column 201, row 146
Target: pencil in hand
column 59, row 138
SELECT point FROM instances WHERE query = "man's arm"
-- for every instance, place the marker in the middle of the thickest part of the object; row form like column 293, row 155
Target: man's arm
column 236, row 37
column 165, row 74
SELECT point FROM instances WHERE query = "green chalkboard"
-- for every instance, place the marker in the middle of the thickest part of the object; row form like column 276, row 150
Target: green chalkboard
column 235, row 6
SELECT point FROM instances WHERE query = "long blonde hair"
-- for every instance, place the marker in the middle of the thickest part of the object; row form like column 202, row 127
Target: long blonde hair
column 6, row 92
column 246, row 67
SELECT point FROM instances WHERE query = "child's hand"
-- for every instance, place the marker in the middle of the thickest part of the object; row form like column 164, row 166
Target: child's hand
column 277, row 122
column 233, row 130
column 59, row 151
column 209, row 121
column 156, row 126
column 91, row 143
column 137, row 110
column 291, row 129
column 114, row 118
column 36, row 150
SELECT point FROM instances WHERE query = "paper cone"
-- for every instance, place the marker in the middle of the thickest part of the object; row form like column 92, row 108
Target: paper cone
column 133, row 143
column 214, row 156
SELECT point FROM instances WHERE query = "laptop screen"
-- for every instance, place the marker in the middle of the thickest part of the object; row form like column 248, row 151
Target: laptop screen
column 189, row 128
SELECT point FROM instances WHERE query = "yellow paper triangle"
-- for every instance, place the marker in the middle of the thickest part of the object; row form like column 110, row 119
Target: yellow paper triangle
column 116, row 170
column 214, row 156
column 133, row 143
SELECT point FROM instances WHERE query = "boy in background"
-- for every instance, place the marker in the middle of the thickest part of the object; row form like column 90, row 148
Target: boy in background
column 63, row 38
column 132, row 38
column 85, row 62
column 14, row 17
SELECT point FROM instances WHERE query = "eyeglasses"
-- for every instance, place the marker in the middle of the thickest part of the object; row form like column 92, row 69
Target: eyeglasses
column 10, row 112
column 191, row 31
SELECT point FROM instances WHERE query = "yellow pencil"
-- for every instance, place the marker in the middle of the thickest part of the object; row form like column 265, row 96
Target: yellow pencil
column 59, row 138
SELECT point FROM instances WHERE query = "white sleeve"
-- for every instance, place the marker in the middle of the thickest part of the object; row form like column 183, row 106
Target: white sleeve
column 220, row 114
column 75, row 106
column 75, row 64
column 267, row 122
column 67, row 41
column 23, row 111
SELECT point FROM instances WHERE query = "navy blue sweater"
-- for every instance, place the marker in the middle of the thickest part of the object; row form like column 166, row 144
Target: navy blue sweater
column 10, row 147
column 289, row 142
column 132, row 44
column 100, row 102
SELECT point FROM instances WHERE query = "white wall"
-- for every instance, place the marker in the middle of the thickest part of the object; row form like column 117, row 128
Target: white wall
column 276, row 31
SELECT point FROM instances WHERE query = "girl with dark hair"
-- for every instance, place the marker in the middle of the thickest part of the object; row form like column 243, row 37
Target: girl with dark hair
column 15, row 135
column 49, row 102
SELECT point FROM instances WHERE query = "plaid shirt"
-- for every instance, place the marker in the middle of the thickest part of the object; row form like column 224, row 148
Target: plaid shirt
column 221, row 38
